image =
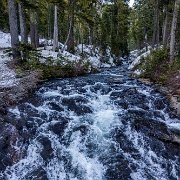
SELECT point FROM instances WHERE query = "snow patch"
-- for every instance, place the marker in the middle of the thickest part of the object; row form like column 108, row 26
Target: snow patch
column 7, row 75
column 137, row 60
column 5, row 40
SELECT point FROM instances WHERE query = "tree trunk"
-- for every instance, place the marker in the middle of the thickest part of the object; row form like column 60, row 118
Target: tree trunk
column 49, row 22
column 173, row 30
column 165, row 28
column 91, row 38
column 22, row 19
column 156, row 25
column 90, row 35
column 34, row 30
column 13, row 28
column 55, row 42
column 68, row 36
column 70, row 42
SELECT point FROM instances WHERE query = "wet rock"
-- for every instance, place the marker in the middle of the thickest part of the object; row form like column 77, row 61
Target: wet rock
column 19, row 123
column 35, row 101
column 5, row 161
column 3, row 110
column 58, row 128
column 175, row 103
column 117, row 80
column 73, row 100
column 47, row 151
column 133, row 114
column 145, row 81
column 75, row 104
column 132, row 97
column 159, row 104
column 128, row 92
column 153, row 128
column 56, row 107
column 119, row 170
column 83, row 129
column 124, row 143
column 37, row 174
column 116, row 94
column 82, row 109
column 103, row 89
column 122, row 103
column 8, row 153
column 28, row 109
column 158, row 115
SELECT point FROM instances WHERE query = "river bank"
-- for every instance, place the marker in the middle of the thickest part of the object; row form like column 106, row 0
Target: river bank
column 152, row 67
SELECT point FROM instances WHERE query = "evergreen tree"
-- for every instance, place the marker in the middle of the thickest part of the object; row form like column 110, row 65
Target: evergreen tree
column 13, row 23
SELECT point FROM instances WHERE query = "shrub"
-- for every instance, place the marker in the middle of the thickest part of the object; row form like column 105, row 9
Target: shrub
column 156, row 65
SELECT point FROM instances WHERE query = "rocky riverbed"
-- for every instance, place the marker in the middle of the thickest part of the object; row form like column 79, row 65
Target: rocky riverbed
column 102, row 126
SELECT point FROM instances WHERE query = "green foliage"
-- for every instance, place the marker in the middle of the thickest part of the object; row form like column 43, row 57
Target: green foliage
column 51, row 69
column 4, row 23
column 141, row 24
column 114, row 27
column 157, row 67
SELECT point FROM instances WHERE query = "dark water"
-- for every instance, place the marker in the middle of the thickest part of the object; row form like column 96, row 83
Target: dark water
column 103, row 126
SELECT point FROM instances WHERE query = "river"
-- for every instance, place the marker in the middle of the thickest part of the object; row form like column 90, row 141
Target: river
column 98, row 127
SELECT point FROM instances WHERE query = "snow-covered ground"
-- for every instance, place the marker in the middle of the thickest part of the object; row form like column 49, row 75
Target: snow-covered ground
column 8, row 76
column 5, row 40
column 137, row 60
column 136, row 57
column 93, row 55
column 90, row 55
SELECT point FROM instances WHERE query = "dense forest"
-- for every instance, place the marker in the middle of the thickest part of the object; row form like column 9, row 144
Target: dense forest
column 105, row 24
column 89, row 89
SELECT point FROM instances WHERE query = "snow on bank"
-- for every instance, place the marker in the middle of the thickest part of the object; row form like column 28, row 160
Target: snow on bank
column 93, row 56
column 5, row 40
column 90, row 54
column 138, row 59
column 48, row 53
column 7, row 75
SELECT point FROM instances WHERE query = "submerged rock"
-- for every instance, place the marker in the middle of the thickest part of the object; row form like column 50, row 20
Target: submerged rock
column 47, row 151
column 39, row 174
column 76, row 104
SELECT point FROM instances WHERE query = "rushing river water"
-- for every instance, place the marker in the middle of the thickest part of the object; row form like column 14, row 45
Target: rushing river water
column 99, row 127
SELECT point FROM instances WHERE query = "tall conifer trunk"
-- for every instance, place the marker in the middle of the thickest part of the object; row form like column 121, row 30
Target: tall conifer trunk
column 173, row 30
column 55, row 42
column 155, row 40
column 22, row 20
column 165, row 28
column 13, row 28
column 70, row 41
column 34, row 29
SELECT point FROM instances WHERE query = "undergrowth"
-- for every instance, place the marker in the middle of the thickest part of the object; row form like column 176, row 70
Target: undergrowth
column 50, row 68
column 157, row 66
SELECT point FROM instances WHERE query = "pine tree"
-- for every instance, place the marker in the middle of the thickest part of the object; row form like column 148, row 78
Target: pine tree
column 13, row 28
column 173, row 29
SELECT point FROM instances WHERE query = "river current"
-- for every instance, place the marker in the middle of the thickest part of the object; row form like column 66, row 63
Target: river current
column 106, row 126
